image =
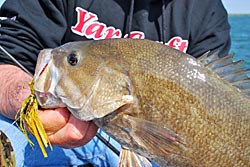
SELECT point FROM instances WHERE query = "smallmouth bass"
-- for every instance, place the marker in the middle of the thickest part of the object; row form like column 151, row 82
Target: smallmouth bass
column 156, row 101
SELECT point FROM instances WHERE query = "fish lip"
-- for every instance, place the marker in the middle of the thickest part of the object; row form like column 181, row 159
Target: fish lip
column 46, row 97
column 44, row 55
column 48, row 100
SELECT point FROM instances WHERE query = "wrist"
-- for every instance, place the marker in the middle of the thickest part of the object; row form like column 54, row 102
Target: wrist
column 14, row 89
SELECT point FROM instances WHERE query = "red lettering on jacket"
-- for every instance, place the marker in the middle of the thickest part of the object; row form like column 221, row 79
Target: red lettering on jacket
column 178, row 43
column 111, row 32
column 94, row 30
column 87, row 25
column 83, row 17
column 98, row 30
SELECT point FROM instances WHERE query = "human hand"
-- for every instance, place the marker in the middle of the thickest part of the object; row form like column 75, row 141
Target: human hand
column 65, row 130
column 62, row 127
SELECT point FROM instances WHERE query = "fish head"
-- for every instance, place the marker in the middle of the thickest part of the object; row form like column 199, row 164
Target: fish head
column 76, row 76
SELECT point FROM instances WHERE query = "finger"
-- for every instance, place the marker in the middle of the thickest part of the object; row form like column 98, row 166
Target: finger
column 54, row 120
column 74, row 133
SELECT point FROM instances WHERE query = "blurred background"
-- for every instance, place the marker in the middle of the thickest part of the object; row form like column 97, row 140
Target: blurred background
column 239, row 18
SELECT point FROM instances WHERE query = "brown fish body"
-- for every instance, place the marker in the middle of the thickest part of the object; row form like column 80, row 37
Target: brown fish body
column 165, row 104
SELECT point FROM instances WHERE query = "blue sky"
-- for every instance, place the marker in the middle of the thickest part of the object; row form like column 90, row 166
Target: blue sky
column 237, row 6
column 232, row 6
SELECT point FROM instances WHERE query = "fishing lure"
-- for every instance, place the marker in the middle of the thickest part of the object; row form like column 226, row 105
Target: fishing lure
column 28, row 119
column 28, row 115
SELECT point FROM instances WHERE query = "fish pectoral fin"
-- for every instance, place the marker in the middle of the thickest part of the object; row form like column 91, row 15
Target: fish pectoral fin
column 158, row 139
column 129, row 158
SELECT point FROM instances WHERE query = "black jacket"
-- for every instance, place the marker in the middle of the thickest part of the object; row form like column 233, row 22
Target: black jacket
column 194, row 26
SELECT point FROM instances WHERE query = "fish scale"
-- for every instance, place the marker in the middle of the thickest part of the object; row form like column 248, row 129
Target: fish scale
column 156, row 101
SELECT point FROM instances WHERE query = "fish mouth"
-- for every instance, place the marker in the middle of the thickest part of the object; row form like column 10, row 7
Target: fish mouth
column 48, row 100
column 45, row 81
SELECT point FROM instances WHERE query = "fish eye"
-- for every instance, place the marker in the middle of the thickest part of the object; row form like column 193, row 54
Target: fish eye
column 72, row 58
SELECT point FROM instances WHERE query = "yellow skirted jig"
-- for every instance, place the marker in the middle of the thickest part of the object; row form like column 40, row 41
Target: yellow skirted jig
column 28, row 115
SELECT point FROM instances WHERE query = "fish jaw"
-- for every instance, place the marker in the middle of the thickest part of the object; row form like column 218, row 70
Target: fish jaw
column 45, row 80
column 48, row 100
